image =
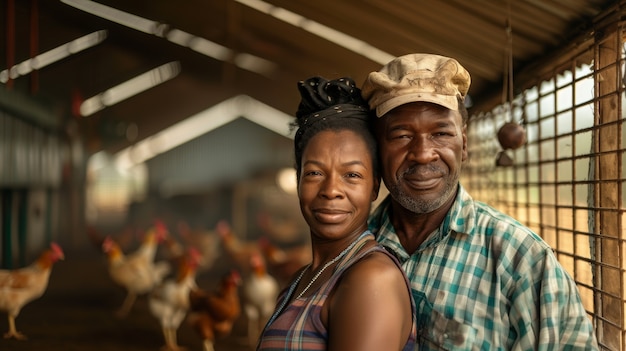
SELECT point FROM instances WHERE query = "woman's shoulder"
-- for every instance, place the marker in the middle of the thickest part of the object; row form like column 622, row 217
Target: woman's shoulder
column 374, row 296
column 375, row 266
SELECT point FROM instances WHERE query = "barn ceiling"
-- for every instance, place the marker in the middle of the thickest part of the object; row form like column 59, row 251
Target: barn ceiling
column 208, row 51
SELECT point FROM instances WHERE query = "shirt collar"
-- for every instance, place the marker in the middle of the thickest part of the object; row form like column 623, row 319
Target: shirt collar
column 461, row 218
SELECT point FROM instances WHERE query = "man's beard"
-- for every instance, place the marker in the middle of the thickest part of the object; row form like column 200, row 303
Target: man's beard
column 419, row 205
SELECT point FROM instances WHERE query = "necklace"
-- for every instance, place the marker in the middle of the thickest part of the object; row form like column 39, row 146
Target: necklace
column 337, row 258
column 295, row 283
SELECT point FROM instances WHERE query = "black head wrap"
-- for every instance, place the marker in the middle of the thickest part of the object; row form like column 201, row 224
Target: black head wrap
column 322, row 99
column 319, row 94
column 331, row 104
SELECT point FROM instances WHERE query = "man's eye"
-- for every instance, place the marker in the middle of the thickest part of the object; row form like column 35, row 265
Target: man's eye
column 399, row 135
column 443, row 134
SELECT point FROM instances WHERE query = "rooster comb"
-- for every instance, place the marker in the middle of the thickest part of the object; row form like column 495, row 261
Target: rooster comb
column 56, row 249
column 223, row 228
column 235, row 276
column 107, row 243
column 159, row 225
column 256, row 260
column 264, row 241
column 194, row 254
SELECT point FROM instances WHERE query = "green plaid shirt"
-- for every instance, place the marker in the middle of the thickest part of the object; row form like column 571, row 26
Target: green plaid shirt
column 483, row 281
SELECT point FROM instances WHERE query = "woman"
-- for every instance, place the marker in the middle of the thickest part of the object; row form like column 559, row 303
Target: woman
column 353, row 295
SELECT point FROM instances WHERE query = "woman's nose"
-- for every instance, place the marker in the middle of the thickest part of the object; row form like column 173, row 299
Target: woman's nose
column 331, row 187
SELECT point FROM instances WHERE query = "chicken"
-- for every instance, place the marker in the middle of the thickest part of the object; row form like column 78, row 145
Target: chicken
column 20, row 286
column 283, row 263
column 213, row 314
column 206, row 241
column 125, row 238
column 237, row 250
column 137, row 272
column 283, row 229
column 169, row 302
column 260, row 291
column 173, row 251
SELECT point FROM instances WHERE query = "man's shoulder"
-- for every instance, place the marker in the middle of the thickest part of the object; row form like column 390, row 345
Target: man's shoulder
column 481, row 218
column 491, row 216
column 503, row 229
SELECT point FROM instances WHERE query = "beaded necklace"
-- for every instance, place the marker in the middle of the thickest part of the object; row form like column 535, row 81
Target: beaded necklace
column 294, row 285
column 317, row 275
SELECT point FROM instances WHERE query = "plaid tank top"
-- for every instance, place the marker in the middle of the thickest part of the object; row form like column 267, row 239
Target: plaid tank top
column 298, row 326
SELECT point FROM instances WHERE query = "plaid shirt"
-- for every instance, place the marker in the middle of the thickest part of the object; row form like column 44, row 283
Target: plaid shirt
column 483, row 281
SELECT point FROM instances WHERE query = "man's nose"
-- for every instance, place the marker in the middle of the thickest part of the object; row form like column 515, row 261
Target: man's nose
column 423, row 149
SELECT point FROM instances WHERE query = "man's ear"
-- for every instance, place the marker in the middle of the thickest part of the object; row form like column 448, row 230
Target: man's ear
column 376, row 189
column 464, row 153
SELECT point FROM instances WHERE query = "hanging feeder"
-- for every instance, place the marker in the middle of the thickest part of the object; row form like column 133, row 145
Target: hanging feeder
column 511, row 135
column 503, row 159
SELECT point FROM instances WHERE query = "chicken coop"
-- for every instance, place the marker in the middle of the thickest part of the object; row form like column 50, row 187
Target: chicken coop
column 114, row 114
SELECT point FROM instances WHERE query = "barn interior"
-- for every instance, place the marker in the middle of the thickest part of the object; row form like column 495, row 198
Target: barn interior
column 116, row 115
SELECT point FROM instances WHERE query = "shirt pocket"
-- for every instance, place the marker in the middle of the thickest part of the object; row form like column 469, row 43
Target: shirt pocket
column 436, row 332
column 451, row 334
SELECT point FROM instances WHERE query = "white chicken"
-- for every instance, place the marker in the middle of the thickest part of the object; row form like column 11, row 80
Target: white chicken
column 260, row 291
column 137, row 273
column 169, row 302
column 20, row 286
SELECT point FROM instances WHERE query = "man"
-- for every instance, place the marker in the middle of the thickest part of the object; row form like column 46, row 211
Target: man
column 480, row 279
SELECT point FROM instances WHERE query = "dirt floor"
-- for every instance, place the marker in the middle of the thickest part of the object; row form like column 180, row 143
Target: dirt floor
column 77, row 314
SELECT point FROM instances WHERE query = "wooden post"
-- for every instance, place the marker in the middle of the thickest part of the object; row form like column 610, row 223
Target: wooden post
column 7, row 216
column 606, row 140
column 10, row 39
column 22, row 226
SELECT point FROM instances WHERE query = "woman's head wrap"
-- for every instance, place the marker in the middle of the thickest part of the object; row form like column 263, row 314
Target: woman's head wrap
column 322, row 99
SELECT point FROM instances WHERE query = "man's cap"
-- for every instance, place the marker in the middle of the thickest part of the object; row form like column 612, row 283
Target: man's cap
column 416, row 77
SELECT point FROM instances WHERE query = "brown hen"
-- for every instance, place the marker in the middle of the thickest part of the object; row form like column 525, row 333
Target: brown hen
column 213, row 314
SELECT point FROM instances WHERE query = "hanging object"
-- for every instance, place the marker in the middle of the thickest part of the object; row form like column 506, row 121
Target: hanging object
column 511, row 135
column 503, row 159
